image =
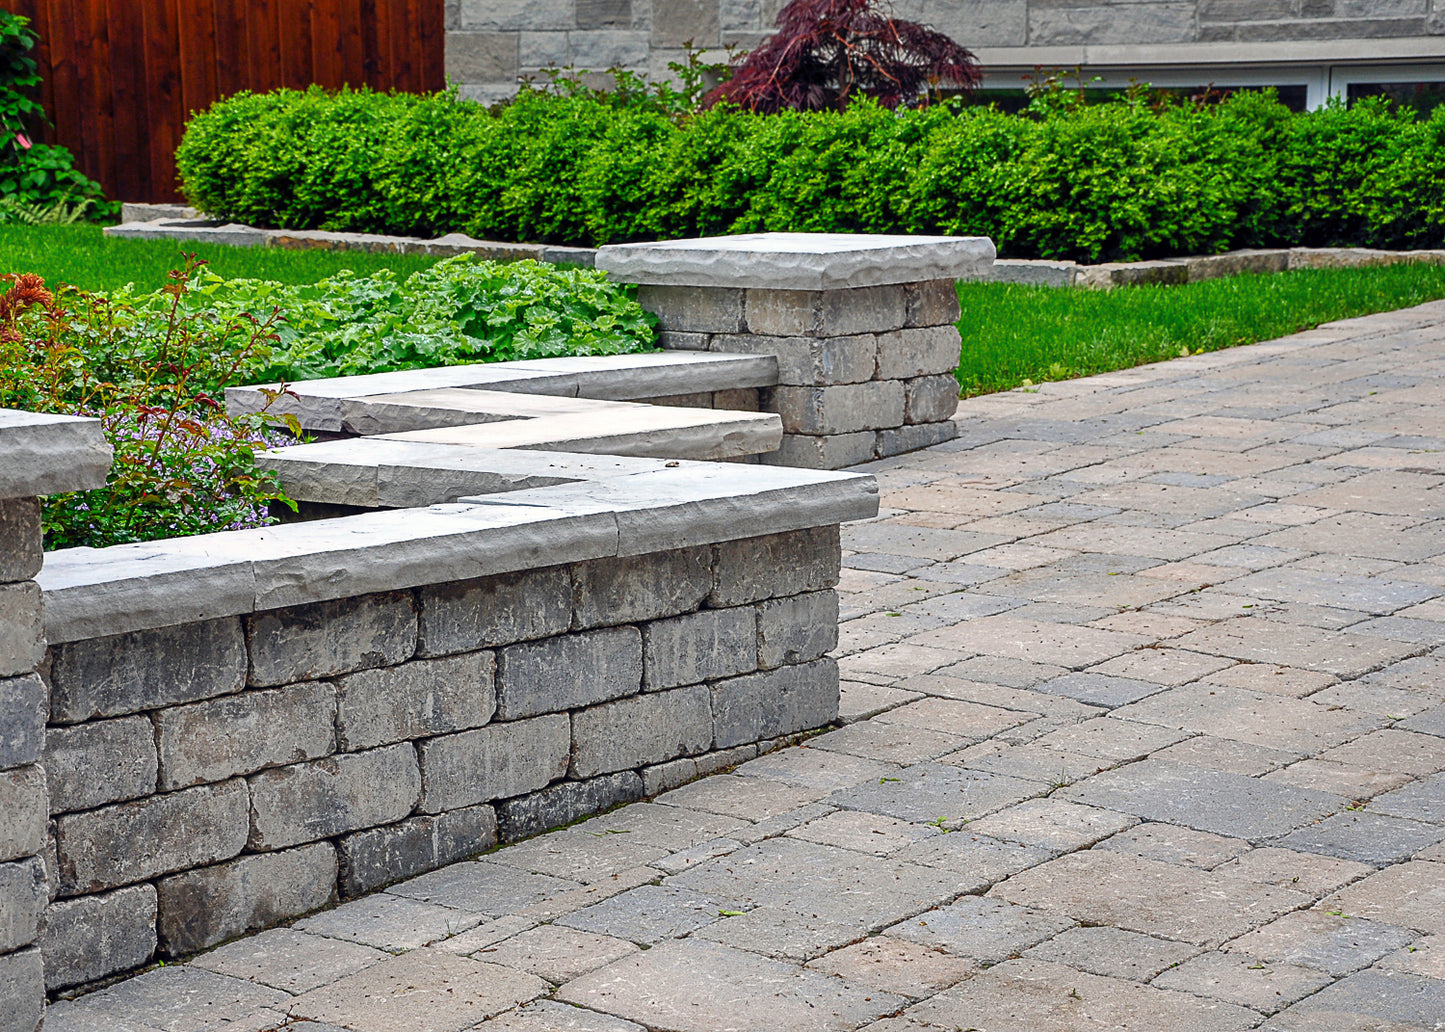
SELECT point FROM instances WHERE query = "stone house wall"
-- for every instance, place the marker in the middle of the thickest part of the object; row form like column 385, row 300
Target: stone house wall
column 224, row 775
column 492, row 42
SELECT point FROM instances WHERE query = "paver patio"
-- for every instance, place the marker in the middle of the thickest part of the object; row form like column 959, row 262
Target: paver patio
column 1144, row 713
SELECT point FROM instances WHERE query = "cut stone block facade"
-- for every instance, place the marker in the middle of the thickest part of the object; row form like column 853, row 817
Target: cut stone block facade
column 323, row 750
column 49, row 453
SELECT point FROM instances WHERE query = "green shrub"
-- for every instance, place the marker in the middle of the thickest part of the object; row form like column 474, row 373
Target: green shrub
column 1122, row 179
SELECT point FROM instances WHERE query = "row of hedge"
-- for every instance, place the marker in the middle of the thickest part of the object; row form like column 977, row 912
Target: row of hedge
column 1116, row 180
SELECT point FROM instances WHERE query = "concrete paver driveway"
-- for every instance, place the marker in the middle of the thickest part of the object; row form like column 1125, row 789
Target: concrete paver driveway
column 1144, row 729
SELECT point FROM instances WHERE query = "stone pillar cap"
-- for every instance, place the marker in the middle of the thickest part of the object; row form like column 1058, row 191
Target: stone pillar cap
column 798, row 261
column 42, row 454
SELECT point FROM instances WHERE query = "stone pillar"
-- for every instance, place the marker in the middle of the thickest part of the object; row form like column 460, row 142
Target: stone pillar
column 38, row 455
column 862, row 327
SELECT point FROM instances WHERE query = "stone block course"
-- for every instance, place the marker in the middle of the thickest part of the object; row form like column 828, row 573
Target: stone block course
column 325, row 639
column 22, row 630
column 624, row 590
column 696, row 309
column 807, row 361
column 23, row 896
column 89, row 937
column 699, row 646
column 753, row 569
column 141, row 670
column 20, row 530
column 103, row 761
column 568, row 671
column 912, row 438
column 129, row 842
column 832, row 452
column 774, row 702
column 512, row 607
column 493, row 762
column 840, row 409
column 202, row 907
column 378, row 856
column 25, row 806
column 922, row 351
column 418, row 699
column 23, row 703
column 797, row 629
column 322, row 798
column 22, row 982
column 826, row 313
column 244, row 733
column 563, row 803
column 930, row 399
column 641, row 730
column 931, row 303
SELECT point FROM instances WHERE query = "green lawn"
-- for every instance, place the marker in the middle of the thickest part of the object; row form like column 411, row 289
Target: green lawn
column 79, row 255
column 1011, row 335
column 1015, row 335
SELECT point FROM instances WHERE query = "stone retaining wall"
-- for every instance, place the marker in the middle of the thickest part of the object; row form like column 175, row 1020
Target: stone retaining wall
column 224, row 775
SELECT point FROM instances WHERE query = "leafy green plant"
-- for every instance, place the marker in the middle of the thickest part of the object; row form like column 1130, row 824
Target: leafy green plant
column 182, row 464
column 62, row 213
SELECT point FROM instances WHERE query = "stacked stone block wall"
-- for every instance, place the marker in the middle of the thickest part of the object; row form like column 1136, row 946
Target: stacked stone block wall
column 229, row 774
column 24, row 890
column 863, row 372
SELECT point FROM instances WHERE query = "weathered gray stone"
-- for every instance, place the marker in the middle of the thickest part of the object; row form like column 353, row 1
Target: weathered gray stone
column 203, row 907
column 22, row 628
column 826, row 313
column 925, row 351
column 699, row 646
column 568, row 671
column 499, row 610
column 834, row 452
column 932, row 303
column 45, row 454
column 829, row 262
column 415, row 700
column 116, row 845
column 841, row 409
column 283, row 958
column 23, row 895
column 244, row 733
column 141, row 670
column 988, row 930
column 89, row 937
column 911, row 438
column 797, row 629
column 375, row 857
column 694, row 309
column 24, row 803
column 753, row 569
column 178, row 996
column 23, row 704
column 1034, row 272
column 493, row 762
column 324, row 639
column 309, row 801
column 1371, row 838
column 1233, row 263
column 564, row 803
column 931, row 399
column 20, row 555
column 809, row 361
column 646, row 915
column 644, row 729
column 644, row 587
column 22, row 986
column 104, row 761
column 474, row 57
column 774, row 702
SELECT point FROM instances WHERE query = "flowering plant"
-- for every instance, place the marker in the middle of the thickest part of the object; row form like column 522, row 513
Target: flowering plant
column 182, row 464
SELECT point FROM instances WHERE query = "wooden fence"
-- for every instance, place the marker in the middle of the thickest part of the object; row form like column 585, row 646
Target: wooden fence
column 122, row 76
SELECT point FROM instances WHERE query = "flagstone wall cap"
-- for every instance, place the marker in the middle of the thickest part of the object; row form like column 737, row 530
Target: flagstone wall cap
column 42, row 454
column 798, row 261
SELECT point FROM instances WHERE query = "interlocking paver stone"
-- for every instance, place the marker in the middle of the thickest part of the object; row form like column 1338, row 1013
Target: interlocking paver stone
column 1206, row 800
column 1162, row 709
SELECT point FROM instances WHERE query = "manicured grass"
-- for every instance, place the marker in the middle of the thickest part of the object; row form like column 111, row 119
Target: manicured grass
column 79, row 255
column 1015, row 335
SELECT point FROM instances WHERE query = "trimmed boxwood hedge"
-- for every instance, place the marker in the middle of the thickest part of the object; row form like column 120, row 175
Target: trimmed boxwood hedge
column 1123, row 179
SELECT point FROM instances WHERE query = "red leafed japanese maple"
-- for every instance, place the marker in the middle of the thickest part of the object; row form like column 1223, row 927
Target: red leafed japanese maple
column 827, row 52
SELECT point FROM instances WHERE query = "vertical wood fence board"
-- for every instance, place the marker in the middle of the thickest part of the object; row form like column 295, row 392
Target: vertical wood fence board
column 120, row 78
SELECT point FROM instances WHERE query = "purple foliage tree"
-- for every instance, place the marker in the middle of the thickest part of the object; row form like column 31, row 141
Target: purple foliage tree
column 827, row 52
